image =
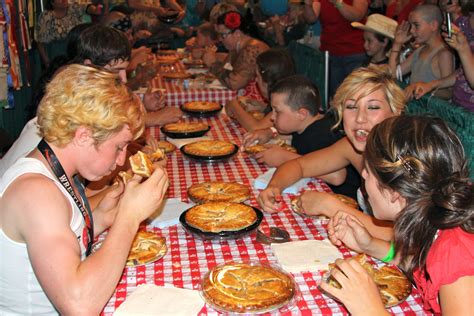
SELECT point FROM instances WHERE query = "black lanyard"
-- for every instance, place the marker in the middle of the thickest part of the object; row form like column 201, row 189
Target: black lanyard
column 58, row 170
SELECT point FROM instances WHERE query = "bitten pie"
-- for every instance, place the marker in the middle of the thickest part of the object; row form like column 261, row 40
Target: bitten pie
column 201, row 106
column 346, row 200
column 208, row 148
column 254, row 149
column 146, row 247
column 393, row 285
column 216, row 217
column 242, row 287
column 176, row 75
column 218, row 192
column 185, row 127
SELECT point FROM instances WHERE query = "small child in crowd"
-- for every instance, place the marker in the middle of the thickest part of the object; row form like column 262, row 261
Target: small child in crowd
column 433, row 59
column 379, row 32
column 206, row 38
column 296, row 103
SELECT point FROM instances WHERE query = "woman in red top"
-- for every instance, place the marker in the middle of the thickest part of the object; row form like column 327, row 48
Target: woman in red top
column 344, row 43
column 416, row 175
column 400, row 9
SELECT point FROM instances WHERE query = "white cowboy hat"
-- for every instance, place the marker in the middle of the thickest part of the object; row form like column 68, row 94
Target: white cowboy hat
column 378, row 23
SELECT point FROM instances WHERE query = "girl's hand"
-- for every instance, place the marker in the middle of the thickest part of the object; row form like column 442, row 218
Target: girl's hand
column 274, row 156
column 348, row 230
column 358, row 291
column 458, row 40
column 259, row 136
column 319, row 203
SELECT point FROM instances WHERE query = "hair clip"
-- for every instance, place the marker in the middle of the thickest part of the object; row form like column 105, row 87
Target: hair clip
column 406, row 164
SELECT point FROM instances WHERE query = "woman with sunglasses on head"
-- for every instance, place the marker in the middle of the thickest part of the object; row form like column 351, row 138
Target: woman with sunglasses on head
column 416, row 175
column 238, row 69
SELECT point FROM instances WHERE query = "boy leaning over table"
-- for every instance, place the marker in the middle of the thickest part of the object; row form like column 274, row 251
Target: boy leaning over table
column 296, row 103
column 87, row 119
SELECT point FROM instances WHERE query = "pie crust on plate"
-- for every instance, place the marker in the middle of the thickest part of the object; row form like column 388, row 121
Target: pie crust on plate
column 201, row 106
column 185, row 127
column 254, row 149
column 208, row 148
column 251, row 288
column 393, row 285
column 176, row 75
column 147, row 247
column 217, row 217
column 218, row 192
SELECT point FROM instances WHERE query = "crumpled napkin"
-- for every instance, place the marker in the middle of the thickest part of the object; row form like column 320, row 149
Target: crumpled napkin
column 216, row 84
column 149, row 299
column 262, row 181
column 168, row 213
column 305, row 255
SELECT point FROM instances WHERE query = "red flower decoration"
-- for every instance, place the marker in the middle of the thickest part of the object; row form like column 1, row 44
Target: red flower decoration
column 232, row 20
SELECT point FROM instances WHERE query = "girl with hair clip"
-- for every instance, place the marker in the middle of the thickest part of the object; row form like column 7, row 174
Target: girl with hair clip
column 416, row 175
column 365, row 98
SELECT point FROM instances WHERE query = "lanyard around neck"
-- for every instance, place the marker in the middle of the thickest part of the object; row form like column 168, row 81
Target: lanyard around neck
column 59, row 172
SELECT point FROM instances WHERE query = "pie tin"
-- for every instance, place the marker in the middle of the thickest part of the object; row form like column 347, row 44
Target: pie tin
column 185, row 134
column 283, row 307
column 219, row 158
column 200, row 113
column 232, row 234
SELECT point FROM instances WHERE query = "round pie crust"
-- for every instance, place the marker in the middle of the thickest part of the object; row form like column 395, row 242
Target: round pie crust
column 208, row 148
column 218, row 192
column 242, row 287
column 201, row 106
column 147, row 247
column 216, row 217
column 185, row 127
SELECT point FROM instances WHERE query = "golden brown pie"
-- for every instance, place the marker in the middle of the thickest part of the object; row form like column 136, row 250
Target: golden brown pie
column 146, row 247
column 193, row 62
column 346, row 200
column 218, row 192
column 242, row 287
column 393, row 285
column 257, row 115
column 141, row 164
column 185, row 127
column 254, row 149
column 208, row 148
column 166, row 146
column 217, row 217
column 201, row 106
column 176, row 75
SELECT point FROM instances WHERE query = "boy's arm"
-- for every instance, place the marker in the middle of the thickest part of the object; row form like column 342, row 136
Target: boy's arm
column 402, row 36
column 446, row 68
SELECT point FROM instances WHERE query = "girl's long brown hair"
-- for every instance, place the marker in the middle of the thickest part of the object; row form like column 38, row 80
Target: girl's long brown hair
column 423, row 160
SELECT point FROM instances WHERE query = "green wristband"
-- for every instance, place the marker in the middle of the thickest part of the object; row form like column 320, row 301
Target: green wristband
column 339, row 4
column 390, row 254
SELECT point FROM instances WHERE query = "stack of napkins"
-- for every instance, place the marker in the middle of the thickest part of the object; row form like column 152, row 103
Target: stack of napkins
column 168, row 213
column 262, row 181
column 305, row 255
column 149, row 299
column 179, row 142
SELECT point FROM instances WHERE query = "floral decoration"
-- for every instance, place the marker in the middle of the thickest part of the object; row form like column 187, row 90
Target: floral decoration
column 232, row 20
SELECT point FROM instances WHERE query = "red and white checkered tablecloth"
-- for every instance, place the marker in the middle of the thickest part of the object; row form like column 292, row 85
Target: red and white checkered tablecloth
column 188, row 258
column 176, row 94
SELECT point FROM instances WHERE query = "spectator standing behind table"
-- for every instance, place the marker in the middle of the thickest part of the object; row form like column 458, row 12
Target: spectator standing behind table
column 416, row 175
column 238, row 70
column 379, row 32
column 399, row 10
column 296, row 103
column 87, row 119
column 287, row 27
column 433, row 60
column 272, row 65
column 462, row 80
column 364, row 99
column 54, row 24
column 344, row 43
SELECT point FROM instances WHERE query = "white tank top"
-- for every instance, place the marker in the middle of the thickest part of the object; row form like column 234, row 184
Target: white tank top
column 20, row 290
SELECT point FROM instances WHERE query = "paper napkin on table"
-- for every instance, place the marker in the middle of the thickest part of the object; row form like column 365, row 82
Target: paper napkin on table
column 216, row 84
column 179, row 142
column 262, row 181
column 305, row 255
column 168, row 213
column 149, row 299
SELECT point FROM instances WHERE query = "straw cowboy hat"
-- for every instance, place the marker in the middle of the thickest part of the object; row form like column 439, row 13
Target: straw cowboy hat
column 378, row 23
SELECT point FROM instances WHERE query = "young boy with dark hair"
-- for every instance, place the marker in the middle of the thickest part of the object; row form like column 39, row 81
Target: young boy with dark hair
column 296, row 103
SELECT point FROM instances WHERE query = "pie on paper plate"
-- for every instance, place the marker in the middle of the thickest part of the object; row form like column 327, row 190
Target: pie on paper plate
column 147, row 247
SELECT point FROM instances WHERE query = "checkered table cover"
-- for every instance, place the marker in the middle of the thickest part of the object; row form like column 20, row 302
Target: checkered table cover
column 189, row 259
column 176, row 94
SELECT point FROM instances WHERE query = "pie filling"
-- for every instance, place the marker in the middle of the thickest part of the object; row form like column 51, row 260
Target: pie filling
column 146, row 247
